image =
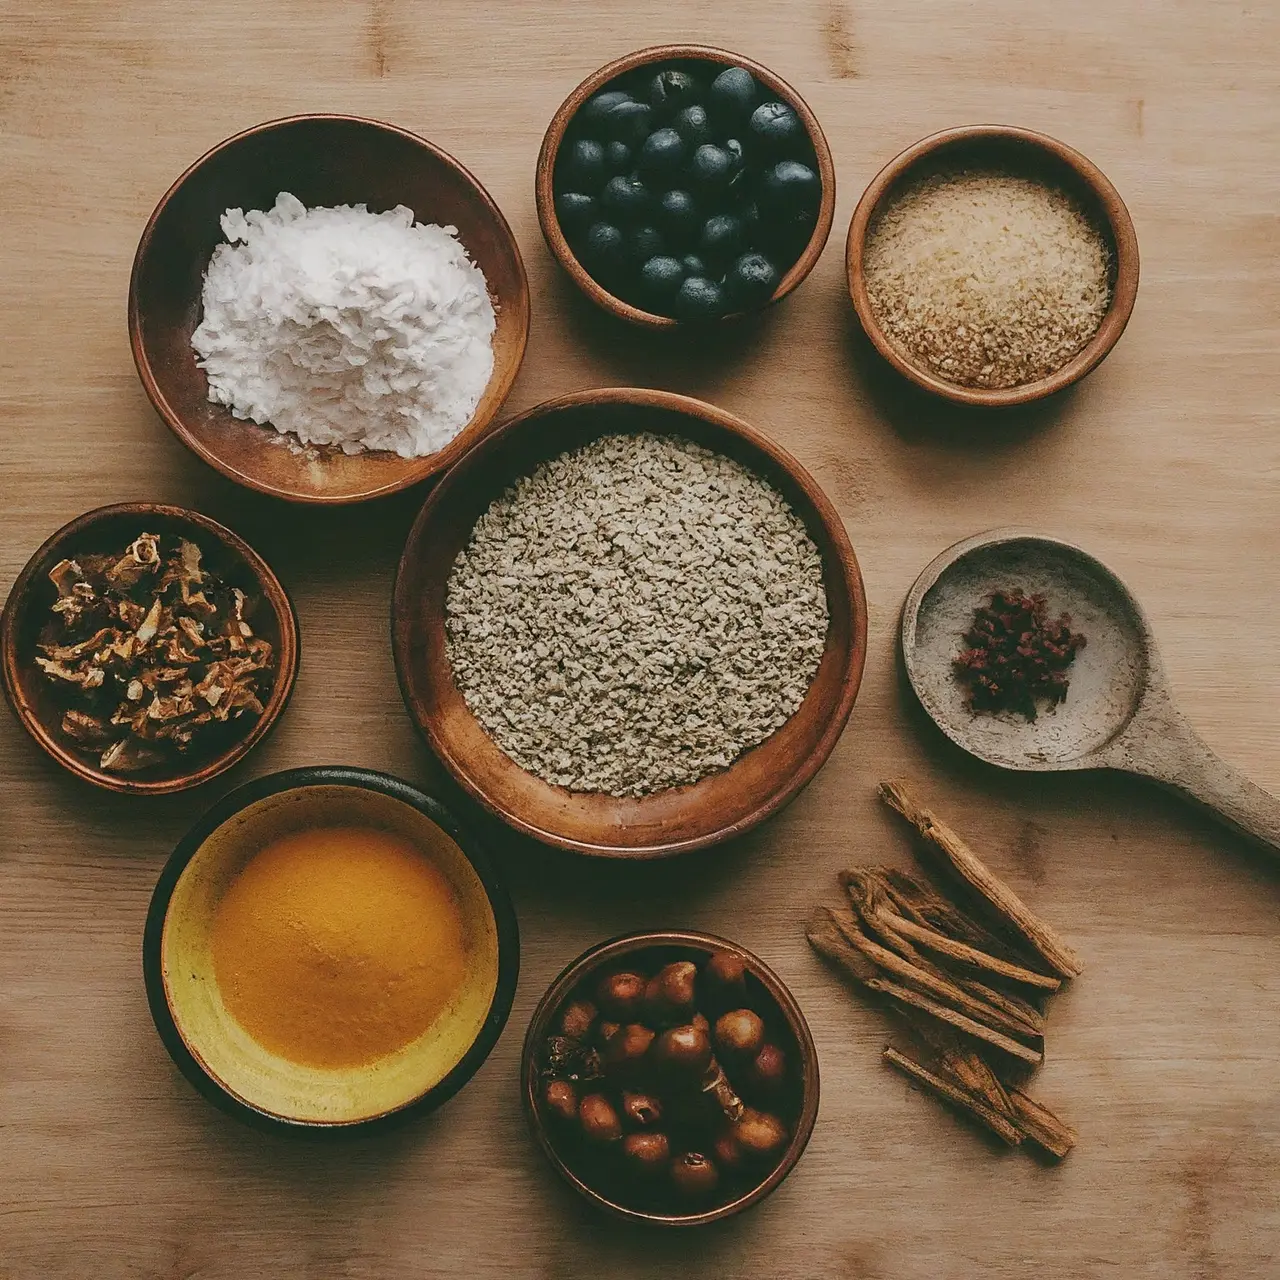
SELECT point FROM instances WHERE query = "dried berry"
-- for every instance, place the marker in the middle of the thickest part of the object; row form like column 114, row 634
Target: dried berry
column 1016, row 656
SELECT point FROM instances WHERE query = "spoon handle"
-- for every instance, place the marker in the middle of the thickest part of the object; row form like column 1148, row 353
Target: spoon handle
column 1173, row 754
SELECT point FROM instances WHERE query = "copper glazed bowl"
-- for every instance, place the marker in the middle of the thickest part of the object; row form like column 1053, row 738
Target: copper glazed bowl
column 35, row 702
column 721, row 805
column 677, row 53
column 1020, row 151
column 786, row 1026
column 324, row 160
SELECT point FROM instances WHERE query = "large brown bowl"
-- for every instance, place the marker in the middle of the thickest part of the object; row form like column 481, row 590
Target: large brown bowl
column 1025, row 152
column 719, row 806
column 770, row 998
column 112, row 529
column 545, row 193
column 323, row 160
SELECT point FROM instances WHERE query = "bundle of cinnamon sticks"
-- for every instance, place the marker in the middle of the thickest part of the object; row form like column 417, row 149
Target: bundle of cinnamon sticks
column 969, row 984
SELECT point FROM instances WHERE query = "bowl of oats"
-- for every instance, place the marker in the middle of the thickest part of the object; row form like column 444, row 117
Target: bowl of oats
column 629, row 624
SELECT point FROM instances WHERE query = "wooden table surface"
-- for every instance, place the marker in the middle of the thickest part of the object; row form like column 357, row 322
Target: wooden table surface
column 1166, row 462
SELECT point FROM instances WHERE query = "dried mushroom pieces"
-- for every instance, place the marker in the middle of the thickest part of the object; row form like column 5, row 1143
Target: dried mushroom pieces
column 151, row 653
column 655, row 1104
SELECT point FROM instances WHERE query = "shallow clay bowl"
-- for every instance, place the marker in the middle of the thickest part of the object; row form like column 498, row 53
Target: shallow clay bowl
column 219, row 1057
column 1029, row 154
column 678, row 54
column 112, row 529
column 785, row 1026
column 323, row 160
column 719, row 806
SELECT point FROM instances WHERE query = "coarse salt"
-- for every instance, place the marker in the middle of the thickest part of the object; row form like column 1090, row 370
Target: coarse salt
column 344, row 327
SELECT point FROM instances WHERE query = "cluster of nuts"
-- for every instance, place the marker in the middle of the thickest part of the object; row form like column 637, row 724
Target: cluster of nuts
column 670, row 1079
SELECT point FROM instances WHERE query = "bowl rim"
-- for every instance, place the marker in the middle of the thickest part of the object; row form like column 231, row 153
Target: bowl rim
column 186, row 1056
column 846, row 561
column 288, row 658
column 416, row 470
column 1120, row 226
column 545, row 196
column 596, row 957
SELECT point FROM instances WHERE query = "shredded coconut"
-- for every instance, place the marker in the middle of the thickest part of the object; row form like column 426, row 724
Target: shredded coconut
column 345, row 327
column 989, row 279
column 635, row 614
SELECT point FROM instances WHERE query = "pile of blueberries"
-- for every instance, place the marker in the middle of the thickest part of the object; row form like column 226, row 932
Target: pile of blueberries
column 687, row 190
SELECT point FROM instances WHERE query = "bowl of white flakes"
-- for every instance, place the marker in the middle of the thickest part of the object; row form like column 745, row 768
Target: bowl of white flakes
column 328, row 309
column 629, row 624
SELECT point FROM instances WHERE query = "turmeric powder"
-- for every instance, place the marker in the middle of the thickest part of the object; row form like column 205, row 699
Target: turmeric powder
column 336, row 946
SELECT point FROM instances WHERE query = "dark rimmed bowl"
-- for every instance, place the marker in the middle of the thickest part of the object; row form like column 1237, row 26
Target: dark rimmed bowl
column 217, row 1056
column 772, row 1000
column 1021, row 151
column 544, row 176
column 323, row 160
column 722, row 805
column 112, row 528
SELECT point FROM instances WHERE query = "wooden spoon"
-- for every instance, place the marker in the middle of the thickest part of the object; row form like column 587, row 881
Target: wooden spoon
column 1119, row 712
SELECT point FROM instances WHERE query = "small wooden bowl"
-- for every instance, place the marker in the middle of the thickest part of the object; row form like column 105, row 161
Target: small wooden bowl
column 220, row 1058
column 554, row 136
column 758, row 783
column 324, row 160
column 112, row 529
column 1020, row 151
column 767, row 994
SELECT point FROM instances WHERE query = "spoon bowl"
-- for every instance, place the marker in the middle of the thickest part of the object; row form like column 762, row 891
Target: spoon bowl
column 1118, row 713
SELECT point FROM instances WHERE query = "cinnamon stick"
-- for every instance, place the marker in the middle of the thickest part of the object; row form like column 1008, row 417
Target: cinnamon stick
column 828, row 940
column 965, row 954
column 997, row 1123
column 891, row 963
column 1039, row 1124
column 1006, row 904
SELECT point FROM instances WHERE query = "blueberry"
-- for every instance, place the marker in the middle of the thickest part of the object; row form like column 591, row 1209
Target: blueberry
column 733, row 95
column 627, row 122
column 644, row 243
column 698, row 299
column 662, row 153
column 750, row 281
column 595, row 109
column 669, row 91
column 581, row 168
column 790, row 186
column 693, row 265
column 721, row 239
column 776, row 128
column 711, row 167
column 660, row 277
column 626, row 198
column 617, row 158
column 602, row 249
column 678, row 215
column 693, row 126
column 575, row 210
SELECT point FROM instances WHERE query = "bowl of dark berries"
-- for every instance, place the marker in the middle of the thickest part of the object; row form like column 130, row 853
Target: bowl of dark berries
column 670, row 1078
column 685, row 183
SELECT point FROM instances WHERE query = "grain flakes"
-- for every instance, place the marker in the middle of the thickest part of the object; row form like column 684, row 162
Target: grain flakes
column 634, row 615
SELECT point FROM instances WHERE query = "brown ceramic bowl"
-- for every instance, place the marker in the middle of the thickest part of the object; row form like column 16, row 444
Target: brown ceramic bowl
column 1024, row 152
column 719, row 806
column 797, row 1103
column 623, row 66
column 323, row 160
column 112, row 528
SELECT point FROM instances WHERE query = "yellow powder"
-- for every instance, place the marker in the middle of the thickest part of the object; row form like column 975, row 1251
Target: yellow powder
column 336, row 946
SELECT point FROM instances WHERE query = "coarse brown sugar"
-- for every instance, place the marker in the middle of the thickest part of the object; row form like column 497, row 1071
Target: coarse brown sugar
column 989, row 279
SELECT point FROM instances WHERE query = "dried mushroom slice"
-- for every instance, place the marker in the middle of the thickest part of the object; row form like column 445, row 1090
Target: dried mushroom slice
column 82, row 648
column 129, row 755
column 87, row 676
column 87, row 730
column 142, row 558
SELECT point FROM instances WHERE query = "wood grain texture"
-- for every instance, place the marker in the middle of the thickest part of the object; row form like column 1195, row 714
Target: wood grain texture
column 1165, row 462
